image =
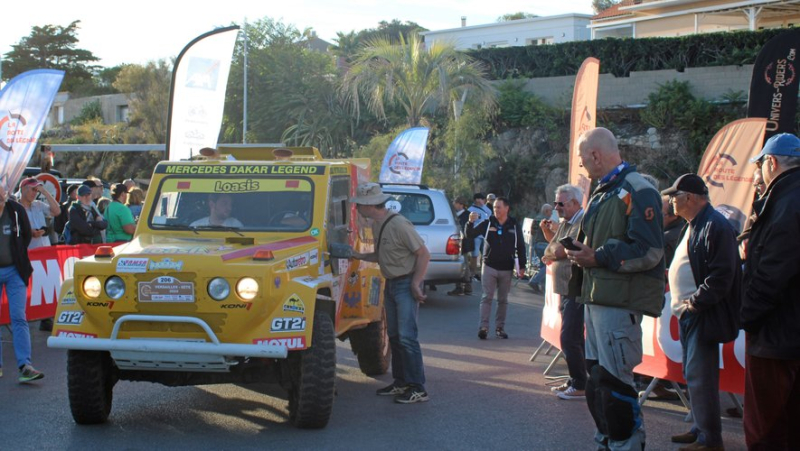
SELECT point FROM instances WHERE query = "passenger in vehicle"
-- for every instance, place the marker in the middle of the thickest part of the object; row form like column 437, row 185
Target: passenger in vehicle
column 220, row 207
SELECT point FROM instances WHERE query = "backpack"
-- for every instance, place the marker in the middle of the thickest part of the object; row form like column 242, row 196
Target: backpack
column 66, row 235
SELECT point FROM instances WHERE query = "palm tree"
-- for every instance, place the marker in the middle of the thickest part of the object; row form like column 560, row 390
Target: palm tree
column 421, row 81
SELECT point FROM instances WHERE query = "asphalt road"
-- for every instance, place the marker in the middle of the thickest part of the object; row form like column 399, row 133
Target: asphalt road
column 484, row 395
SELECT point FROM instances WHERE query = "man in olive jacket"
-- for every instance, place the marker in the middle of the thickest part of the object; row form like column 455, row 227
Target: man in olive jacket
column 622, row 256
column 771, row 302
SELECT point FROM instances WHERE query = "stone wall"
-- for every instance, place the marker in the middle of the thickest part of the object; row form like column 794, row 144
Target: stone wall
column 709, row 83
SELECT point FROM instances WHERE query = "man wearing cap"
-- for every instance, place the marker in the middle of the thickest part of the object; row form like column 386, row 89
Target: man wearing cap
column 85, row 222
column 705, row 282
column 403, row 259
column 771, row 302
column 15, row 272
column 120, row 219
column 37, row 210
column 621, row 244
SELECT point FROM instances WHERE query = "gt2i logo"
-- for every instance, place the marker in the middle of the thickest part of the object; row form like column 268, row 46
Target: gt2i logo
column 70, row 318
column 288, row 325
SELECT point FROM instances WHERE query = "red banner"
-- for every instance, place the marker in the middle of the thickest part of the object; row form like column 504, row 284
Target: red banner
column 661, row 345
column 51, row 265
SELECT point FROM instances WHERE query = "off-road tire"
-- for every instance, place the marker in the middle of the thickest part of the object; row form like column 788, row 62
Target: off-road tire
column 314, row 377
column 90, row 382
column 371, row 347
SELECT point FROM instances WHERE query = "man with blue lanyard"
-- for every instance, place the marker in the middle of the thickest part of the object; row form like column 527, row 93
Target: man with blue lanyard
column 621, row 244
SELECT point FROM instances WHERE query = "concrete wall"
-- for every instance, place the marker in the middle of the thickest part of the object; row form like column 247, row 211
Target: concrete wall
column 709, row 83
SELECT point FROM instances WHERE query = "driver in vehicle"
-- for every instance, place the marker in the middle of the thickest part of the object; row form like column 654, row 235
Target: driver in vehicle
column 219, row 206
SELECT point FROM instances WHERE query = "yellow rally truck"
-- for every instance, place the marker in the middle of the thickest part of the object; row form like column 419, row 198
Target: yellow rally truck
column 238, row 272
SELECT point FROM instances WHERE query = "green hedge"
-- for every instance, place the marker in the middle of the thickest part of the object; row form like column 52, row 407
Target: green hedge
column 621, row 56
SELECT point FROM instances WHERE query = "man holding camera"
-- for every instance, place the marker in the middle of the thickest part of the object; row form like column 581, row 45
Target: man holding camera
column 568, row 205
column 37, row 210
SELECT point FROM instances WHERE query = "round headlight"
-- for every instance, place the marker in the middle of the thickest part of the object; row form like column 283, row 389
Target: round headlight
column 92, row 287
column 115, row 287
column 247, row 288
column 219, row 289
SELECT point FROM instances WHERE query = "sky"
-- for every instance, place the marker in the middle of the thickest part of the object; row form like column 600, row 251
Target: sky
column 146, row 30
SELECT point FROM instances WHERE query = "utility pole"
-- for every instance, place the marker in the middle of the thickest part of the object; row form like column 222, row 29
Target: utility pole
column 244, row 115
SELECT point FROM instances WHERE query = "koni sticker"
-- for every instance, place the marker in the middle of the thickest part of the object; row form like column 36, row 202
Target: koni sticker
column 70, row 318
column 132, row 265
column 296, row 324
column 294, row 304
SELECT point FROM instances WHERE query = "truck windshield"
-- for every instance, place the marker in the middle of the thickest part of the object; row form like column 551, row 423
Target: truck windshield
column 266, row 204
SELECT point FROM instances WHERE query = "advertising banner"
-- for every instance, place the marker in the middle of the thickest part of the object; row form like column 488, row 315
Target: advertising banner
column 584, row 118
column 726, row 170
column 51, row 266
column 773, row 87
column 405, row 157
column 197, row 95
column 24, row 105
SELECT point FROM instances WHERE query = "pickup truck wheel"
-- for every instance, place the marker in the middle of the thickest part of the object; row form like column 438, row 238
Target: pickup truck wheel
column 90, row 382
column 314, row 377
column 371, row 347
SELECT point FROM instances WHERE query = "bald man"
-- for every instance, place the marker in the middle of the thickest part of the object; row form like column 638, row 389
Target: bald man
column 621, row 244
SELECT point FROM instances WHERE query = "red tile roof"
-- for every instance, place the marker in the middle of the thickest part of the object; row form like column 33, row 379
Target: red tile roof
column 614, row 10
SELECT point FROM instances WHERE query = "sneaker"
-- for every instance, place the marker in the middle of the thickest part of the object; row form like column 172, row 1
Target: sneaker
column 482, row 333
column 535, row 288
column 572, row 393
column 501, row 333
column 28, row 373
column 687, row 437
column 468, row 291
column 411, row 396
column 457, row 292
column 392, row 390
column 560, row 388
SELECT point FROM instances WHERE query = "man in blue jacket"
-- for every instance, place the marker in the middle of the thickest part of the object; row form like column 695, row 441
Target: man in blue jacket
column 704, row 279
column 504, row 248
column 771, row 302
column 622, row 255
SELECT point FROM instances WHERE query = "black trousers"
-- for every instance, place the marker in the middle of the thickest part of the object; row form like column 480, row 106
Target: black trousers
column 572, row 341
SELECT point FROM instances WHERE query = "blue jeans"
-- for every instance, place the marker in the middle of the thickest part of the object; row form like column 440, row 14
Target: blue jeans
column 17, row 294
column 538, row 278
column 401, row 323
column 701, row 371
column 478, row 246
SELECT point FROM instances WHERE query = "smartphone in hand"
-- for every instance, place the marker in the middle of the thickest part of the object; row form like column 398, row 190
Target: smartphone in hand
column 568, row 244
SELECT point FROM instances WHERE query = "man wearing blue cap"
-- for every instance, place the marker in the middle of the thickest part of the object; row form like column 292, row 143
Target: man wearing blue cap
column 771, row 302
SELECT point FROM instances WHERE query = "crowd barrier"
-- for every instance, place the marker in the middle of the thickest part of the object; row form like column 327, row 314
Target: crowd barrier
column 661, row 346
column 51, row 265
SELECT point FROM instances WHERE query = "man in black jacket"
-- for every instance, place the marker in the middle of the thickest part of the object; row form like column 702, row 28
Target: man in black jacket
column 503, row 244
column 15, row 271
column 85, row 222
column 771, row 302
column 704, row 279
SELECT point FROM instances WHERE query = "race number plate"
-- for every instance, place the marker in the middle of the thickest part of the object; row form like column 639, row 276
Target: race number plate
column 166, row 289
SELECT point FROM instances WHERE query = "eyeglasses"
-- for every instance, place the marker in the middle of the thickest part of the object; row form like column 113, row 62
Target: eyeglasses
column 558, row 204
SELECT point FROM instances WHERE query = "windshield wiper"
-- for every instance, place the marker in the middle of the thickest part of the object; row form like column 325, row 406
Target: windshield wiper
column 219, row 227
column 182, row 227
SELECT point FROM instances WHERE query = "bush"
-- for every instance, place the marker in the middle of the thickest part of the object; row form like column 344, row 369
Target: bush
column 90, row 112
column 621, row 56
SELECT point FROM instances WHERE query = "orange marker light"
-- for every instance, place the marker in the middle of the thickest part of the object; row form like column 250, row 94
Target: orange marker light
column 263, row 256
column 104, row 252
